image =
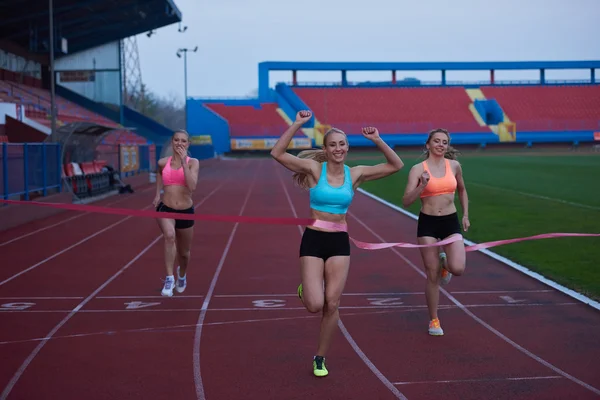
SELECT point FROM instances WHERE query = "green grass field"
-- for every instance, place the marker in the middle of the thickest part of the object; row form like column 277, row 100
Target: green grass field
column 516, row 195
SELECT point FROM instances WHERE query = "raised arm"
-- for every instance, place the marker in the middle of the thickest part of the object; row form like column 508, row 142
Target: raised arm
column 462, row 196
column 417, row 180
column 392, row 165
column 290, row 161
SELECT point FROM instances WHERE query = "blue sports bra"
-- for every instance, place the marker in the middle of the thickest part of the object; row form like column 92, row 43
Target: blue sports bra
column 331, row 199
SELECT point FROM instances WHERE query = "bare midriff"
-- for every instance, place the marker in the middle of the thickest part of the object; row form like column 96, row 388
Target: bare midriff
column 438, row 205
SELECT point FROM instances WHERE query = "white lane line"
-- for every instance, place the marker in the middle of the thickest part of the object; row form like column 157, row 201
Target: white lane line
column 479, row 320
column 524, row 270
column 39, row 347
column 198, row 335
column 399, row 307
column 78, row 308
column 537, row 196
column 64, row 221
column 34, row 266
column 525, row 378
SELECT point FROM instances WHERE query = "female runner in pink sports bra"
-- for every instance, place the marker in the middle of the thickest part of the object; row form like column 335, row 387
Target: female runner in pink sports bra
column 435, row 181
column 178, row 175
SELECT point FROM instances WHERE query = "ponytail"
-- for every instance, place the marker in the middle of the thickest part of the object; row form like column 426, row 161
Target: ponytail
column 301, row 178
column 451, row 153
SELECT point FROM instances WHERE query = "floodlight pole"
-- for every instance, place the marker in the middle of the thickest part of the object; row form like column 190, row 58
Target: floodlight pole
column 52, row 85
column 185, row 51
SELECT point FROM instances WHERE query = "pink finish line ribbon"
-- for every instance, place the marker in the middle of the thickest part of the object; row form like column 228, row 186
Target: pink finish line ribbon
column 287, row 221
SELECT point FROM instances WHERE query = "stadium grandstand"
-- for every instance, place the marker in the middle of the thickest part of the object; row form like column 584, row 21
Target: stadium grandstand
column 482, row 113
column 67, row 106
column 68, row 110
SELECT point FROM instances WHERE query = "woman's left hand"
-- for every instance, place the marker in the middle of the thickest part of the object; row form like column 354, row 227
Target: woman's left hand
column 370, row 133
column 466, row 223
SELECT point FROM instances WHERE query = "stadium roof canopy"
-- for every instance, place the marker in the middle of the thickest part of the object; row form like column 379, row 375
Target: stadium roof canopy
column 83, row 23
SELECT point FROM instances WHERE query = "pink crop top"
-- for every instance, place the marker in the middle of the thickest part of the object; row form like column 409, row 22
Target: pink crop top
column 437, row 186
column 172, row 176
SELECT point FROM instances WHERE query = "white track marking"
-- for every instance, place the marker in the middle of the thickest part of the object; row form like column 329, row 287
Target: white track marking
column 479, row 320
column 537, row 196
column 526, row 378
column 34, row 266
column 519, row 305
column 63, row 221
column 39, row 347
column 198, row 335
column 41, row 298
column 92, row 236
column 149, row 297
column 343, row 329
column 504, row 260
column 173, row 327
column 273, row 295
column 385, row 293
column 78, row 308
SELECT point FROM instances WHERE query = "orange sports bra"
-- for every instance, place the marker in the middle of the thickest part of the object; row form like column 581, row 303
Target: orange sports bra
column 439, row 186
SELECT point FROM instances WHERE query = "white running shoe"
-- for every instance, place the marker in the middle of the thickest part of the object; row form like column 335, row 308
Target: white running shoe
column 181, row 282
column 446, row 275
column 168, row 287
column 435, row 329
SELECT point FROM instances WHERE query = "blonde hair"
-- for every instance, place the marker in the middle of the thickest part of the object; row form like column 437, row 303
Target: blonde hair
column 167, row 150
column 319, row 155
column 451, row 153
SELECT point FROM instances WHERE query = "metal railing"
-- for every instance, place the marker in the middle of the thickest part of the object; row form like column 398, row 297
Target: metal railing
column 37, row 168
column 26, row 168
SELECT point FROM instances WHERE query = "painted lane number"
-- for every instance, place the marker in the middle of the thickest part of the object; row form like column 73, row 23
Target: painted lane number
column 269, row 303
column 385, row 301
column 16, row 306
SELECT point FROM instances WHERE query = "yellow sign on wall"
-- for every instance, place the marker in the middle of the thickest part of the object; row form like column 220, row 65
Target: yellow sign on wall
column 129, row 158
column 267, row 144
column 201, row 139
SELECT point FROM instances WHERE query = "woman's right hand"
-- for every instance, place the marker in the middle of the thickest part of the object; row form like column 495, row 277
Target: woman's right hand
column 424, row 179
column 156, row 201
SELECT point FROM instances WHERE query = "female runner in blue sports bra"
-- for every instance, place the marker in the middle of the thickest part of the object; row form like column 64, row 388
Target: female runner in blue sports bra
column 325, row 255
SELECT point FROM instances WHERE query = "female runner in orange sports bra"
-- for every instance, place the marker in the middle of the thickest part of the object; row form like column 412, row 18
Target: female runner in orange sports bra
column 435, row 181
column 178, row 175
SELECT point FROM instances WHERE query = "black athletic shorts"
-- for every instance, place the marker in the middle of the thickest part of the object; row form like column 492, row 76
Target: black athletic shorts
column 324, row 244
column 179, row 223
column 438, row 226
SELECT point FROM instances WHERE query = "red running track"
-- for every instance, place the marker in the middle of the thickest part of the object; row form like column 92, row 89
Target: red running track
column 82, row 315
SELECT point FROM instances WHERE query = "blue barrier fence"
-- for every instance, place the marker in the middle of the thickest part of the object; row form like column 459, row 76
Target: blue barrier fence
column 36, row 168
column 29, row 167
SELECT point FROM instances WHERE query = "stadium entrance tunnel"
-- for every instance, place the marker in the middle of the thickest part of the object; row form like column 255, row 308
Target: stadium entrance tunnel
column 91, row 165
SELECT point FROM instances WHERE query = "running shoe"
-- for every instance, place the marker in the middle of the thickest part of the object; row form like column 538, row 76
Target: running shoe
column 181, row 282
column 446, row 275
column 300, row 293
column 319, row 368
column 168, row 287
column 435, row 329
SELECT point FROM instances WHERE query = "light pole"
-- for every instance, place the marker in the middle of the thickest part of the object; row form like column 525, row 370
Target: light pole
column 52, row 77
column 185, row 51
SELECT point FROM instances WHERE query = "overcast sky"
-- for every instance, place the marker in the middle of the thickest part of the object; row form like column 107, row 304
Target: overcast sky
column 233, row 36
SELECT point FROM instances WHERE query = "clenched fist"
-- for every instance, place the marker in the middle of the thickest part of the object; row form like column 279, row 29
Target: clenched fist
column 370, row 133
column 303, row 116
column 424, row 179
